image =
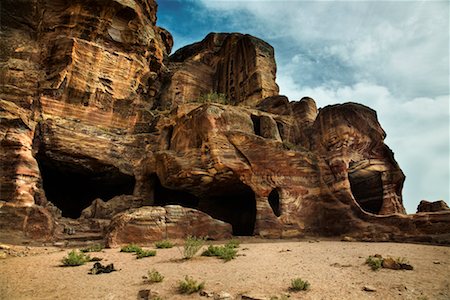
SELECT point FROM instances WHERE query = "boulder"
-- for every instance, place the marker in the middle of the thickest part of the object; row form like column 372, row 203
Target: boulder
column 427, row 206
column 149, row 224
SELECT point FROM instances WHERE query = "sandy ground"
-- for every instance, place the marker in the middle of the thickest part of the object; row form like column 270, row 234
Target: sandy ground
column 335, row 269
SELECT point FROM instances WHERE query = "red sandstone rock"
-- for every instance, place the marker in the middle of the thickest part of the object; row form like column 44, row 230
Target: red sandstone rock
column 427, row 206
column 148, row 224
column 82, row 99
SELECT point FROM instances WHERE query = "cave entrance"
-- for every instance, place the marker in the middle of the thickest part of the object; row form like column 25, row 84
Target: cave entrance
column 256, row 124
column 274, row 201
column 72, row 188
column 165, row 196
column 234, row 204
column 367, row 188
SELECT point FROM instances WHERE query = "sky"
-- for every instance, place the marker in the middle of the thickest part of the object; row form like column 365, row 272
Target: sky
column 392, row 56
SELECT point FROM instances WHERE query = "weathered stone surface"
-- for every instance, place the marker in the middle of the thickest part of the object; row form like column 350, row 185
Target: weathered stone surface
column 427, row 206
column 100, row 209
column 85, row 93
column 240, row 66
column 148, row 224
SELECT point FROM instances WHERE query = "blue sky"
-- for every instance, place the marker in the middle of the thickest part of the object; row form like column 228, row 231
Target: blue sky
column 390, row 55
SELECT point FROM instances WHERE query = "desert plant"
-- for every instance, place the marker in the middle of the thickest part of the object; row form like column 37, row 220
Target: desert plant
column 212, row 98
column 232, row 244
column 192, row 245
column 375, row 262
column 164, row 244
column 226, row 253
column 130, row 248
column 189, row 285
column 92, row 248
column 154, row 276
column 297, row 284
column 75, row 258
column 145, row 253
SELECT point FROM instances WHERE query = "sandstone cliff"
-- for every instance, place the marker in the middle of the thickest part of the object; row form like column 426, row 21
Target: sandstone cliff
column 95, row 114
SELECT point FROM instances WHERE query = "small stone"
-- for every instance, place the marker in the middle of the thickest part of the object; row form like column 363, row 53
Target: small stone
column 144, row 295
column 223, row 296
column 436, row 262
column 59, row 244
column 347, row 239
column 368, row 288
column 252, row 297
column 4, row 247
column 206, row 294
column 2, row 255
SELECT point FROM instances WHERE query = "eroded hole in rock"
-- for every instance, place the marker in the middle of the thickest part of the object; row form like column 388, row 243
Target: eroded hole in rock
column 72, row 188
column 165, row 196
column 367, row 188
column 256, row 124
column 234, row 204
column 274, row 201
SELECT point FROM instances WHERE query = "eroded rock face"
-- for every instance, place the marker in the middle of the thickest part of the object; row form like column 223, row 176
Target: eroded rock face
column 239, row 66
column 85, row 93
column 149, row 224
column 427, row 206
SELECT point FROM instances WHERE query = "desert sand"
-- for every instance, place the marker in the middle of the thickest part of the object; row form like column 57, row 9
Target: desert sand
column 264, row 269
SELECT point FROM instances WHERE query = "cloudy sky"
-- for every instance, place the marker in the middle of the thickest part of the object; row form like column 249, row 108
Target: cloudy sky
column 390, row 55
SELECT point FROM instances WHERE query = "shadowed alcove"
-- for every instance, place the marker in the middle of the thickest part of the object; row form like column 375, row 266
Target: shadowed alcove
column 274, row 201
column 165, row 196
column 72, row 187
column 367, row 188
column 234, row 204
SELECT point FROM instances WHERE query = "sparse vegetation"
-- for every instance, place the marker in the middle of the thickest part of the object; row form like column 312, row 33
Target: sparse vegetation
column 226, row 252
column 212, row 98
column 375, row 262
column 232, row 244
column 154, row 276
column 164, row 244
column 145, row 253
column 75, row 258
column 192, row 245
column 189, row 286
column 131, row 248
column 297, row 284
column 92, row 248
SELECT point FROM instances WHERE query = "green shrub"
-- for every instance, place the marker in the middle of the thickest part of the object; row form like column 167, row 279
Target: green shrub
column 212, row 98
column 297, row 284
column 92, row 248
column 164, row 244
column 192, row 245
column 232, row 244
column 223, row 252
column 130, row 248
column 375, row 262
column 154, row 276
column 189, row 286
column 145, row 253
column 75, row 258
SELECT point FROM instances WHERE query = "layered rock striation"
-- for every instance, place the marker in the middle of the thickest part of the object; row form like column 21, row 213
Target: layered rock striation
column 100, row 127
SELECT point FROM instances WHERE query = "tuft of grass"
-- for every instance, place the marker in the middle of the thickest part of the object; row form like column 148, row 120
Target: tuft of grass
column 375, row 262
column 130, row 248
column 297, row 284
column 192, row 245
column 92, row 248
column 164, row 244
column 145, row 253
column 189, row 286
column 75, row 258
column 226, row 253
column 232, row 244
column 154, row 276
column 212, row 98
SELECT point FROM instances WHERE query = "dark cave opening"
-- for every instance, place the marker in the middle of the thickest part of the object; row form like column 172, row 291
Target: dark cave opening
column 234, row 204
column 274, row 201
column 72, row 188
column 256, row 124
column 165, row 196
column 367, row 188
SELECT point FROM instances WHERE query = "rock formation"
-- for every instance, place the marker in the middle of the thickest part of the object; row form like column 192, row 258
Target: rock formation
column 427, row 206
column 102, row 131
